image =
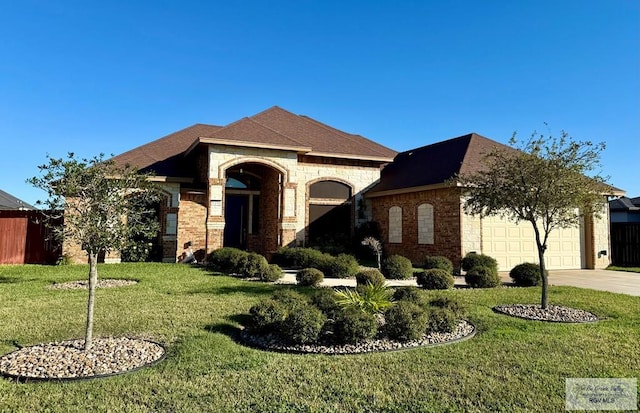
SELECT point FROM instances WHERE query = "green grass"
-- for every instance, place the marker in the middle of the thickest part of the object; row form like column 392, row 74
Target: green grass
column 511, row 365
column 627, row 269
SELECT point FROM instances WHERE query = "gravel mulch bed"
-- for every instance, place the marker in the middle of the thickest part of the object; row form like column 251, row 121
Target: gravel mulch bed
column 84, row 284
column 553, row 313
column 66, row 360
column 271, row 342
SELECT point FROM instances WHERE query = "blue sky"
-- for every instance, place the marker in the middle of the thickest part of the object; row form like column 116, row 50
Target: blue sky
column 107, row 76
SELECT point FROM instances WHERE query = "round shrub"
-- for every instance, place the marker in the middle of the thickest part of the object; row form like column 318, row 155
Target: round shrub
column 342, row 266
column 411, row 294
column 439, row 262
column 272, row 273
column 435, row 279
column 371, row 276
column 449, row 303
column 254, row 265
column 267, row 315
column 290, row 299
column 482, row 277
column 405, row 321
column 309, row 277
column 526, row 274
column 325, row 300
column 441, row 320
column 227, row 260
column 304, row 325
column 472, row 260
column 397, row 267
column 353, row 326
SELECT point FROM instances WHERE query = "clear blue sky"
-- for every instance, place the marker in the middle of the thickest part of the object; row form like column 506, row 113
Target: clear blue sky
column 107, row 76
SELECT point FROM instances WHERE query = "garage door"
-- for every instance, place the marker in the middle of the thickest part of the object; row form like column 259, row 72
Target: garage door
column 513, row 244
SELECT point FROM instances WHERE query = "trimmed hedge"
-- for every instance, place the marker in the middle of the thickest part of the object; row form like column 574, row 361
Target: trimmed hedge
column 298, row 257
column 304, row 325
column 449, row 303
column 353, row 326
column 371, row 276
column 410, row 294
column 405, row 321
column 441, row 320
column 309, row 277
column 526, row 274
column 342, row 266
column 267, row 315
column 227, row 260
column 325, row 300
column 472, row 260
column 482, row 277
column 397, row 267
column 253, row 265
column 435, row 279
column 273, row 273
column 439, row 262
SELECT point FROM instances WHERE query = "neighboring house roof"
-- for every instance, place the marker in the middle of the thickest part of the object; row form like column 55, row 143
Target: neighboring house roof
column 434, row 164
column 10, row 202
column 625, row 204
column 274, row 128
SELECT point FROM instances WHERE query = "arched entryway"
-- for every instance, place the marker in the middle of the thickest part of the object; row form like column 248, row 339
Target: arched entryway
column 252, row 207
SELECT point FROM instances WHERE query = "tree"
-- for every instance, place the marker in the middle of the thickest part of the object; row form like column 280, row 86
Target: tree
column 100, row 202
column 543, row 182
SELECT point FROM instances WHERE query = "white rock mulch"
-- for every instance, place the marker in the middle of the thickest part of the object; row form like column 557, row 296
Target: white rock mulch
column 84, row 284
column 553, row 313
column 66, row 360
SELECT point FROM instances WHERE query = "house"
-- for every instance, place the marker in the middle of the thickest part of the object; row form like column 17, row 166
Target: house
column 420, row 214
column 273, row 179
column 280, row 179
column 625, row 231
column 24, row 239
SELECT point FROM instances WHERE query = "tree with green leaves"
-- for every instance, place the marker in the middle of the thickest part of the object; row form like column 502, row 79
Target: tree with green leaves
column 100, row 202
column 544, row 181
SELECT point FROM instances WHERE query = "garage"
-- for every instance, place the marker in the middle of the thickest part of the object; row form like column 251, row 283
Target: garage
column 511, row 244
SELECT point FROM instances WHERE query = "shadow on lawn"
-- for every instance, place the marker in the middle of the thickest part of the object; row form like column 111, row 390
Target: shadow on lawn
column 9, row 280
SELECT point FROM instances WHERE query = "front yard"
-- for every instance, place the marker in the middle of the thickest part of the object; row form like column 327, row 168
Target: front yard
column 511, row 364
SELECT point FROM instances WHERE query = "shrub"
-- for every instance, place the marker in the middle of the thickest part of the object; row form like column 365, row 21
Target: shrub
column 309, row 277
column 526, row 274
column 441, row 320
column 370, row 298
column 290, row 299
column 325, row 300
column 342, row 266
column 254, row 265
column 435, row 279
column 397, row 267
column 267, row 315
column 301, row 258
column 405, row 321
column 353, row 326
column 449, row 303
column 371, row 276
column 472, row 260
column 227, row 260
column 272, row 273
column 410, row 294
column 482, row 277
column 439, row 262
column 304, row 325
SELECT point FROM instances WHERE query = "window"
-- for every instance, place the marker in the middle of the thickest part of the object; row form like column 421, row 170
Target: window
column 395, row 225
column 425, row 224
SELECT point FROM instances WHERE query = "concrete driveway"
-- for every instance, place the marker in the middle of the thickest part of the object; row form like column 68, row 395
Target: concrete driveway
column 603, row 280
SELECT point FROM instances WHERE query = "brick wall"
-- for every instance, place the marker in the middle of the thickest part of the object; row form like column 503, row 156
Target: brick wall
column 192, row 217
column 447, row 227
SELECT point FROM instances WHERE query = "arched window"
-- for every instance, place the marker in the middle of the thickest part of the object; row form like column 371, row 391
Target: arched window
column 425, row 224
column 330, row 213
column 395, row 225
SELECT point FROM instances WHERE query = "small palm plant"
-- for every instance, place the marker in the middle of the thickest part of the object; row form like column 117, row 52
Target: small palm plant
column 376, row 247
column 370, row 298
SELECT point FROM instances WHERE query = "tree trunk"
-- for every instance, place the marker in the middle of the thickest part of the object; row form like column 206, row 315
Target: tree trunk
column 93, row 280
column 543, row 273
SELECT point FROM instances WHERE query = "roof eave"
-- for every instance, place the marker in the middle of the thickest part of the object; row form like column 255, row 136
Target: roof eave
column 245, row 144
column 351, row 156
column 399, row 191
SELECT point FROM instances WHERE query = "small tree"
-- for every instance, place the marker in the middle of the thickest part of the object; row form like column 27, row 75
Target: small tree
column 376, row 247
column 101, row 205
column 543, row 183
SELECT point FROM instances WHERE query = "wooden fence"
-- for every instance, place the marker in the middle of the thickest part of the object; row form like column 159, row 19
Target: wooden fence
column 25, row 239
column 625, row 244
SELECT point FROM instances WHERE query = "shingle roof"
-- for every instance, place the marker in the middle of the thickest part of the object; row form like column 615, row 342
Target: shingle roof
column 10, row 202
column 435, row 163
column 625, row 204
column 272, row 128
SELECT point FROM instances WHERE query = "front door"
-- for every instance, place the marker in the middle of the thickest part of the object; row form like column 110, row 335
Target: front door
column 235, row 217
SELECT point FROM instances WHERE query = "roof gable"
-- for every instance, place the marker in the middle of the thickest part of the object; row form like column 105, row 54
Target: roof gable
column 10, row 202
column 436, row 163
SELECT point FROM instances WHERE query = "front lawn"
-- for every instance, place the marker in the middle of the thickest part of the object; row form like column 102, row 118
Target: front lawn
column 627, row 269
column 511, row 364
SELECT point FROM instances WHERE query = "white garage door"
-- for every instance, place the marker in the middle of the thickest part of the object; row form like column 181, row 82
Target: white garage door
column 513, row 244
